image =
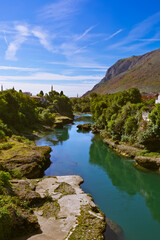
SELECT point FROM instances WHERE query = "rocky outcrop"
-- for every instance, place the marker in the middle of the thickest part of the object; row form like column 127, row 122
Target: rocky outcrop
column 25, row 160
column 68, row 214
column 84, row 127
column 122, row 148
column 152, row 163
column 61, row 120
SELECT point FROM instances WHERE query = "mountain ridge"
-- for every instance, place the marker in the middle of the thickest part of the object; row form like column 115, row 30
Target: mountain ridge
column 141, row 71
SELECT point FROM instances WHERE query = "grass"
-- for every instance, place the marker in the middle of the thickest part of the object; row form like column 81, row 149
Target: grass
column 146, row 153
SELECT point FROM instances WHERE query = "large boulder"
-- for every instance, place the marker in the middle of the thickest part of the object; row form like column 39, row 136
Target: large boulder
column 26, row 160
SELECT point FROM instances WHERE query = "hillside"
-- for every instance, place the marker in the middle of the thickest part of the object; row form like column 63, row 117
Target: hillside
column 142, row 72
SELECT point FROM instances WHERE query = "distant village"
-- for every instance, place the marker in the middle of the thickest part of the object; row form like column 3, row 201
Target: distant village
column 145, row 96
column 36, row 97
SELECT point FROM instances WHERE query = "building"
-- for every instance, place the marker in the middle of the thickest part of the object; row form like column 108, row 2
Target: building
column 27, row 93
column 38, row 98
column 149, row 96
column 158, row 98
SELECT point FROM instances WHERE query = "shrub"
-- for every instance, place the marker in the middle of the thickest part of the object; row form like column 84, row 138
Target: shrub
column 130, row 126
column 2, row 135
column 16, row 173
column 47, row 117
column 4, row 181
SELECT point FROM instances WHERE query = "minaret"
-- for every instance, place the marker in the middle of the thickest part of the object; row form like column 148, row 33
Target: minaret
column 1, row 88
column 51, row 88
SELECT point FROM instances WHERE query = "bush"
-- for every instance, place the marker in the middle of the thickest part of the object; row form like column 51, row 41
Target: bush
column 2, row 135
column 4, row 181
column 5, row 146
column 130, row 126
column 16, row 173
column 47, row 117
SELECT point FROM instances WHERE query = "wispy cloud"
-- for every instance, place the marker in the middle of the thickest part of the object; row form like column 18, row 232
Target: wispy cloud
column 21, row 34
column 149, row 40
column 50, row 77
column 18, row 68
column 114, row 34
column 68, row 89
column 21, row 37
column 5, row 38
column 82, row 65
column 60, row 9
column 85, row 32
column 43, row 38
column 139, row 31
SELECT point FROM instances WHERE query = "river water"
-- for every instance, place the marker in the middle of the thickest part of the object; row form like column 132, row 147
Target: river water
column 127, row 195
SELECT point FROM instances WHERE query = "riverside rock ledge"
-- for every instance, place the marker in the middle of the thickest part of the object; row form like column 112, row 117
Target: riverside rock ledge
column 70, row 214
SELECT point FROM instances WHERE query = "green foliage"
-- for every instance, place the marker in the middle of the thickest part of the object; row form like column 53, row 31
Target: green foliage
column 81, row 104
column 155, row 115
column 16, row 173
column 118, row 113
column 8, row 204
column 6, row 146
column 20, row 113
column 131, row 125
column 5, row 129
column 2, row 136
column 59, row 103
column 16, row 111
column 46, row 117
column 4, row 181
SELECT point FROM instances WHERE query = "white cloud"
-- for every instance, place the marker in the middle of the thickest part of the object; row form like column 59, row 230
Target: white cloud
column 139, row 31
column 50, row 77
column 70, row 90
column 83, row 64
column 18, row 68
column 21, row 34
column 43, row 38
column 60, row 9
column 85, row 33
column 149, row 40
column 114, row 34
column 5, row 38
column 21, row 37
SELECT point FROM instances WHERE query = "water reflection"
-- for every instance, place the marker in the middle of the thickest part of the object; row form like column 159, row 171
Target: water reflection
column 58, row 135
column 126, row 177
column 83, row 117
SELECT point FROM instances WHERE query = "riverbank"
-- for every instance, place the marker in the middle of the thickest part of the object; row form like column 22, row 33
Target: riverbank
column 22, row 158
column 149, row 161
column 69, row 214
column 45, row 208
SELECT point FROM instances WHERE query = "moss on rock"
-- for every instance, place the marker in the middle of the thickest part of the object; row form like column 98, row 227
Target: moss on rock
column 90, row 224
column 50, row 209
column 65, row 189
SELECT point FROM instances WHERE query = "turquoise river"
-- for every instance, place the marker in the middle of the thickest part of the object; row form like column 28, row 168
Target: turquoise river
column 127, row 195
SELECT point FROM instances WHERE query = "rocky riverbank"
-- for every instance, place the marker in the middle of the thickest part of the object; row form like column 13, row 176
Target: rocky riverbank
column 45, row 208
column 62, row 209
column 149, row 162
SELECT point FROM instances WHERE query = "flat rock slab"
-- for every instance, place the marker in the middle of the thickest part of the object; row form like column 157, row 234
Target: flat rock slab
column 69, row 197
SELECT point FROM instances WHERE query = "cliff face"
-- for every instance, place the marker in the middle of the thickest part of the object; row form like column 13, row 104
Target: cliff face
column 142, row 72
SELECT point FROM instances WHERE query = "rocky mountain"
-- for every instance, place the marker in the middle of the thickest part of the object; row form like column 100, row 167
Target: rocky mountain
column 142, row 72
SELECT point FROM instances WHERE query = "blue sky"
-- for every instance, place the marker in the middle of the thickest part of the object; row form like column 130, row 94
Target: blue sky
column 71, row 43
